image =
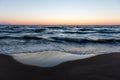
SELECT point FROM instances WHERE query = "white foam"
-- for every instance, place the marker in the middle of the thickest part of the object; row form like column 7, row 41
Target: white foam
column 47, row 58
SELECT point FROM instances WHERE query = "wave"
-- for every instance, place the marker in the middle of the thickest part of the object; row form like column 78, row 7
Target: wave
column 61, row 33
column 64, row 29
column 22, row 30
column 77, row 40
column 78, row 32
column 23, row 37
column 108, row 31
column 85, row 31
column 61, row 39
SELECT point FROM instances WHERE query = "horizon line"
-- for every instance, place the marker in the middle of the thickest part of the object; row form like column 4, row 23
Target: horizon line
column 60, row 24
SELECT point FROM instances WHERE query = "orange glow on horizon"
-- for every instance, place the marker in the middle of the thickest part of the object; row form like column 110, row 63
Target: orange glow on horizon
column 60, row 21
column 64, row 22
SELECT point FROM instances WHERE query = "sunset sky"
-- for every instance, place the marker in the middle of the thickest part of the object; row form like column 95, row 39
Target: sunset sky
column 53, row 12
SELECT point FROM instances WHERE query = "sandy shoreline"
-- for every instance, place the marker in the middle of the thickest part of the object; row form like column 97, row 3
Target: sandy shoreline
column 101, row 67
column 47, row 58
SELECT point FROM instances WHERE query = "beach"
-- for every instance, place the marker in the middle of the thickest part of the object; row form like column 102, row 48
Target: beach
column 59, row 52
column 92, row 67
column 59, row 39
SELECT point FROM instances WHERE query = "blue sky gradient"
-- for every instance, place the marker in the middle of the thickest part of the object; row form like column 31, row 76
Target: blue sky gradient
column 60, row 11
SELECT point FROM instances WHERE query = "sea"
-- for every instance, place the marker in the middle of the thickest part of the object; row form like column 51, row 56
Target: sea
column 75, row 39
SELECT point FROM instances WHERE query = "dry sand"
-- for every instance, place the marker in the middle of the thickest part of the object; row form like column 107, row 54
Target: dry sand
column 101, row 67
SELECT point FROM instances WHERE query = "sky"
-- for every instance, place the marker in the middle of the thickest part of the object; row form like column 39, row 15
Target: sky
column 66, row 12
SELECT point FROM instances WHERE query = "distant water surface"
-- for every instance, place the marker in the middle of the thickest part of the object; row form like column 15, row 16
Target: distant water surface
column 73, row 39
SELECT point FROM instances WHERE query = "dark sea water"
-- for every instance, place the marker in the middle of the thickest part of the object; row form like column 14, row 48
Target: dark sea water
column 73, row 39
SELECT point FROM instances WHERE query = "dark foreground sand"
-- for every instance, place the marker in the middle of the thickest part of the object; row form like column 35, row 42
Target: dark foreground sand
column 101, row 67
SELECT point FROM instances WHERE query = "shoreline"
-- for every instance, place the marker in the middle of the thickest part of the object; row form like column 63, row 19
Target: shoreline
column 48, row 58
column 100, row 67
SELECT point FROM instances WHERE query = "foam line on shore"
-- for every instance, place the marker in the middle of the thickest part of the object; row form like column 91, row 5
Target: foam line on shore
column 48, row 58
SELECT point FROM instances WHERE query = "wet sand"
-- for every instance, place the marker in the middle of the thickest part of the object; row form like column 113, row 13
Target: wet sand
column 101, row 67
column 48, row 58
